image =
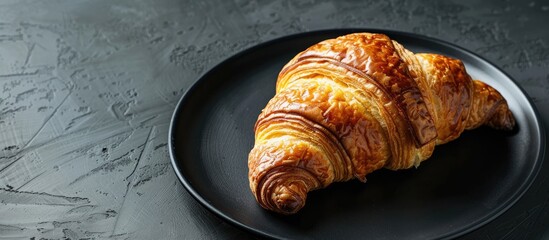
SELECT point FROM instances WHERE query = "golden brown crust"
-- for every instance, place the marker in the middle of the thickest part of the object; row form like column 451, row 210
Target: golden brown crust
column 348, row 106
column 452, row 96
column 489, row 108
column 375, row 56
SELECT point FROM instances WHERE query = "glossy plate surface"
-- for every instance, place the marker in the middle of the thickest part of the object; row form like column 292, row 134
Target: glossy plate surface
column 465, row 184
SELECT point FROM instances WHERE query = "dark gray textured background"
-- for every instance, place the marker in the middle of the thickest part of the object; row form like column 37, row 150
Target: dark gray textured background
column 88, row 89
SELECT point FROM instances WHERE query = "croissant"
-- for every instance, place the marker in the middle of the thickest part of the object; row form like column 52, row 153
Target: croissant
column 348, row 106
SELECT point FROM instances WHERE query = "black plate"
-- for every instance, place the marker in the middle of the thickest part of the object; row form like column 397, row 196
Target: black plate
column 464, row 185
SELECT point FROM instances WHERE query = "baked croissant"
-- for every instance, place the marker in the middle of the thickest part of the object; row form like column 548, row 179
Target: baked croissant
column 348, row 106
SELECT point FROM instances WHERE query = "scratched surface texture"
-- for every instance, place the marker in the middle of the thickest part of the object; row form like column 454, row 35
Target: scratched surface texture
column 88, row 89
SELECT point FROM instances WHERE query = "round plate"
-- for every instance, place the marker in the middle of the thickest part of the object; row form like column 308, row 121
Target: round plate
column 465, row 184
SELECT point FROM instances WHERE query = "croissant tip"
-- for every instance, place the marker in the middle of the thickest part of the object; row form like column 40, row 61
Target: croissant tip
column 288, row 201
column 289, row 206
column 503, row 119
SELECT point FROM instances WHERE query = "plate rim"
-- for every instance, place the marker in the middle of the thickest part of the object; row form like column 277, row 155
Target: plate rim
column 497, row 212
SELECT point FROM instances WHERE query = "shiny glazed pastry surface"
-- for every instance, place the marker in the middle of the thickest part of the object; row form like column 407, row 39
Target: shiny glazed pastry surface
column 348, row 106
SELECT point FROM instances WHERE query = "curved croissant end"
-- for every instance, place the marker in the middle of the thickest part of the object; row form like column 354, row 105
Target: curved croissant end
column 348, row 106
column 284, row 190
